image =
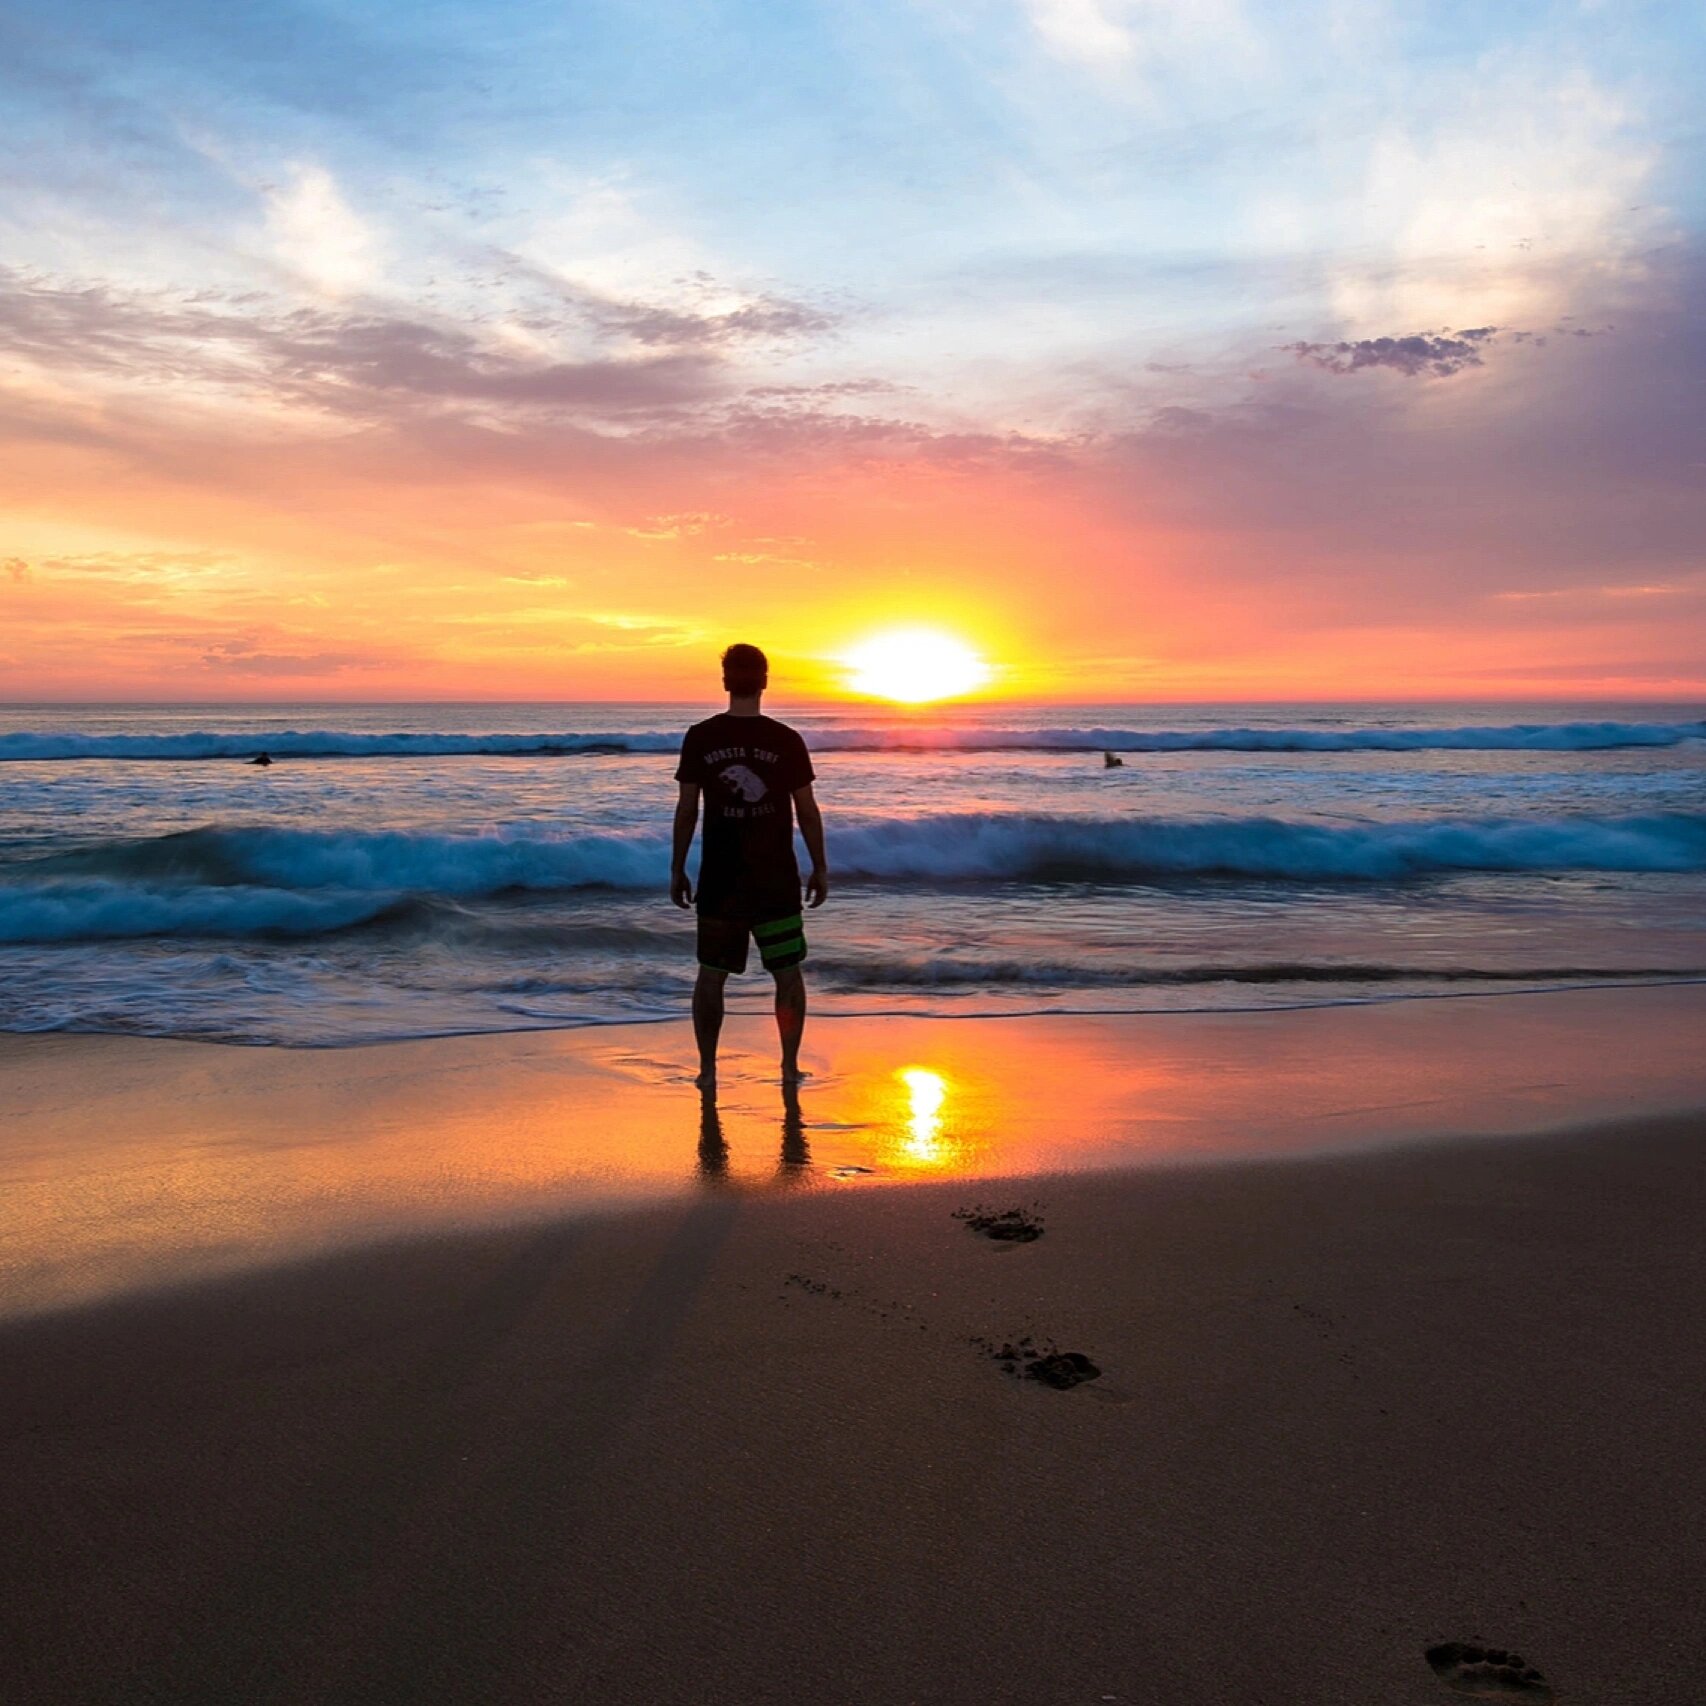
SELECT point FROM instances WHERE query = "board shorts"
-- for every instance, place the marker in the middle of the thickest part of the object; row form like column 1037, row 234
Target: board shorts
column 723, row 942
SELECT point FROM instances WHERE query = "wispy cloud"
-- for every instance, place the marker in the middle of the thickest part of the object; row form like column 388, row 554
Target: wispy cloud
column 241, row 658
column 1495, row 196
column 137, row 568
column 1106, row 35
column 768, row 318
column 315, row 233
column 344, row 363
column 688, row 525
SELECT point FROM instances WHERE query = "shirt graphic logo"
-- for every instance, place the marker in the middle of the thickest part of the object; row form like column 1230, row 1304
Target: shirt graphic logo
column 739, row 780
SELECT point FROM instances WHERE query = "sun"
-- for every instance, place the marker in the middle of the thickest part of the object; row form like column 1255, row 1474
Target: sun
column 913, row 666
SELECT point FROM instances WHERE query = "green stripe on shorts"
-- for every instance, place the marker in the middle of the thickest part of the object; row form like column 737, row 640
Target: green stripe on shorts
column 781, row 942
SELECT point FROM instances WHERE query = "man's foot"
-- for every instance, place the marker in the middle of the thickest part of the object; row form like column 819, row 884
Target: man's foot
column 793, row 1072
column 707, row 1080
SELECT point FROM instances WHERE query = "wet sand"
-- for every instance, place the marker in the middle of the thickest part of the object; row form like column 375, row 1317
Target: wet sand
column 761, row 1446
column 128, row 1162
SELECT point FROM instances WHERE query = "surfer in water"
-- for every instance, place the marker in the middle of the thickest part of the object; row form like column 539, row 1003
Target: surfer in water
column 754, row 777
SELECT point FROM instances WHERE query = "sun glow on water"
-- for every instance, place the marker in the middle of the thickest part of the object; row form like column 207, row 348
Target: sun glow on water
column 914, row 666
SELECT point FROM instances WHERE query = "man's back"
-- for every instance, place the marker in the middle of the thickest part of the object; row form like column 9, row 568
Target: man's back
column 747, row 769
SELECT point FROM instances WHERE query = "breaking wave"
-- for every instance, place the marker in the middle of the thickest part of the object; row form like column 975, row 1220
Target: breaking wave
column 279, row 882
column 332, row 743
column 1027, row 848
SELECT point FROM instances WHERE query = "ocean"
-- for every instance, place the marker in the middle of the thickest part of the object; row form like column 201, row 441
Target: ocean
column 420, row 870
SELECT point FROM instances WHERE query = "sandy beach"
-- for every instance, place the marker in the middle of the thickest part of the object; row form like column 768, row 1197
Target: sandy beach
column 1426, row 1372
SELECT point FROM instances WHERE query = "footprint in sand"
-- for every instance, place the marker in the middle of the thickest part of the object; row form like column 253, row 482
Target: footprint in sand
column 1062, row 1370
column 1028, row 1360
column 1005, row 1225
column 1489, row 1673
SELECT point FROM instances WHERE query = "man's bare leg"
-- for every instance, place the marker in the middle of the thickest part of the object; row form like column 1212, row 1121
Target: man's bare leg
column 791, row 1020
column 708, row 1022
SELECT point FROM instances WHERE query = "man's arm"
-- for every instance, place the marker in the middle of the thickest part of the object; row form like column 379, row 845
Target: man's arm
column 811, row 827
column 686, row 821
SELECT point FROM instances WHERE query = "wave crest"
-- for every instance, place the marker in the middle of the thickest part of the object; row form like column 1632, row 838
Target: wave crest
column 333, row 743
column 261, row 881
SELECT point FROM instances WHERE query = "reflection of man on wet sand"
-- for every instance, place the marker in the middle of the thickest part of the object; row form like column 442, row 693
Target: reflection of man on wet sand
column 796, row 1154
column 754, row 776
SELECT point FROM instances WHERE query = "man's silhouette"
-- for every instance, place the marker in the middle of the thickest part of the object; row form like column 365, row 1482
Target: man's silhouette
column 754, row 776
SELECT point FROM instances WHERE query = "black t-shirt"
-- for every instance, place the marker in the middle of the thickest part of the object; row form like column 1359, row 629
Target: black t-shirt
column 746, row 769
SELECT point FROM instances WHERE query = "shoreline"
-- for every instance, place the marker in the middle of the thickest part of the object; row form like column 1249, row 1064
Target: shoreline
column 752, row 1447
column 756, row 1004
column 136, row 1162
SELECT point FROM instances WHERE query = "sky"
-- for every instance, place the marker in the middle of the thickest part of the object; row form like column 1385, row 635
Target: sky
column 1162, row 349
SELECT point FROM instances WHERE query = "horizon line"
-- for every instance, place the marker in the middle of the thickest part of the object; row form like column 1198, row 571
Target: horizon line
column 873, row 705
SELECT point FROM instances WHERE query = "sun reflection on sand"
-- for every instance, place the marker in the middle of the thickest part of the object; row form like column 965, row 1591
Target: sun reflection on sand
column 922, row 1141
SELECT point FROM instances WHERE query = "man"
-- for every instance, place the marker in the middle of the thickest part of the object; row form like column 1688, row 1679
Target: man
column 754, row 775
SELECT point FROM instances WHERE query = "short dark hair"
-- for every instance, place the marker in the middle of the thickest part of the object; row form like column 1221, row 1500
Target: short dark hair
column 745, row 670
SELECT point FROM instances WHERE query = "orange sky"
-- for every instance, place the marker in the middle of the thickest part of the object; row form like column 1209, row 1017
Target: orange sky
column 274, row 568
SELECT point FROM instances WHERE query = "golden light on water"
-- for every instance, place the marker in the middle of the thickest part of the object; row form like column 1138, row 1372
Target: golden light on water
column 914, row 666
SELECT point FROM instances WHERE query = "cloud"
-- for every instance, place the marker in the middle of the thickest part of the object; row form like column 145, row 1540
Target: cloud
column 577, row 354
column 1177, row 418
column 1084, row 30
column 1435, row 355
column 242, row 657
column 626, row 263
column 765, row 319
column 702, row 313
column 15, row 569
column 338, row 362
column 1573, row 462
column 831, row 388
column 315, row 233
column 1671, row 670
column 1694, row 589
column 641, row 630
column 1109, row 35
column 1493, row 197
column 141, row 568
column 687, row 525
column 756, row 559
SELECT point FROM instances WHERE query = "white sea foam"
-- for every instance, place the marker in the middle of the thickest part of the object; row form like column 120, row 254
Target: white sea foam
column 332, row 743
column 108, row 911
column 261, row 881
